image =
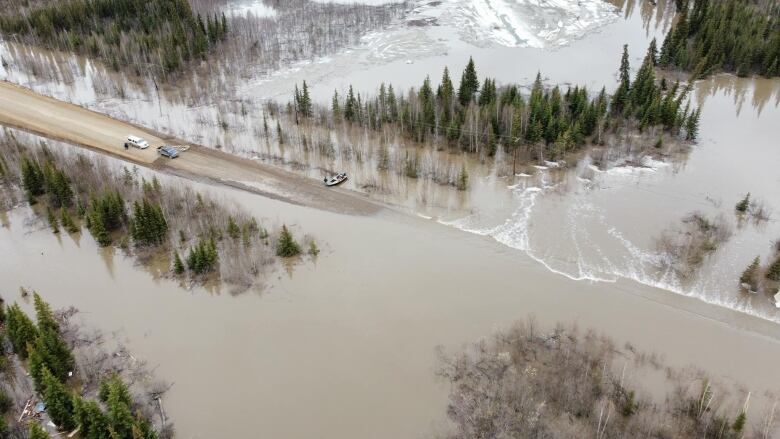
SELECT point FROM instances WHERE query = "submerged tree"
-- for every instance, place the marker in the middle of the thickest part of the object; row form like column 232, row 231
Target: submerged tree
column 178, row 265
column 750, row 275
column 286, row 246
column 744, row 204
column 203, row 256
column 148, row 225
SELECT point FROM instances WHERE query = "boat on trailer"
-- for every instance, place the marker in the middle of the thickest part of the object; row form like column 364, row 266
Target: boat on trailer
column 336, row 179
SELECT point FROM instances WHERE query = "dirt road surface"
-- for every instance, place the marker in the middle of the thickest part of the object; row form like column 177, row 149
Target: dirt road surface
column 26, row 110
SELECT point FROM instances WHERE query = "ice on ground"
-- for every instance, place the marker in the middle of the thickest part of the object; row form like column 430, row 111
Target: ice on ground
column 516, row 23
column 361, row 2
column 254, row 8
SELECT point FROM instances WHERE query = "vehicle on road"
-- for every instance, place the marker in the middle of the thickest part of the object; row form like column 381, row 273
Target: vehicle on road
column 336, row 180
column 168, row 151
column 137, row 142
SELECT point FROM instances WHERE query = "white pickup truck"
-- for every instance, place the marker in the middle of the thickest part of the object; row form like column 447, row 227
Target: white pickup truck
column 136, row 142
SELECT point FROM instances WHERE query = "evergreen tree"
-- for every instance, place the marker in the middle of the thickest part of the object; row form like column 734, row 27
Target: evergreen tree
column 98, row 230
column 692, row 125
column 463, row 179
column 773, row 272
column 469, row 84
column 744, row 204
column 57, row 186
column 59, row 402
column 750, row 274
column 52, row 219
column 49, row 349
column 32, row 178
column 44, row 314
column 286, row 246
column 492, row 146
column 203, row 257
column 92, row 422
column 20, row 329
column 37, row 432
column 739, row 423
column 67, row 221
column 620, row 99
column 350, row 110
column 178, row 265
column 335, row 107
column 305, row 101
column 392, row 104
column 232, row 229
column 117, row 399
column 445, row 94
column 652, row 52
column 148, row 225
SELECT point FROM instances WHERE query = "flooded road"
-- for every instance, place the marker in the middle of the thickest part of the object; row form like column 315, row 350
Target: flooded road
column 345, row 347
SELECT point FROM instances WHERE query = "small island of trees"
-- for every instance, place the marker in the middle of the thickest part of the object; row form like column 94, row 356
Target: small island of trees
column 203, row 238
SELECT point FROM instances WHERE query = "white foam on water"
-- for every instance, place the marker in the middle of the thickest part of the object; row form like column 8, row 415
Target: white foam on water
column 625, row 260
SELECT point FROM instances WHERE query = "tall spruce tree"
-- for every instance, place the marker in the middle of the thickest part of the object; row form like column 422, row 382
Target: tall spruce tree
column 92, row 422
column 286, row 246
column 773, row 271
column 59, row 402
column 37, row 432
column 148, row 225
column 20, row 329
column 469, row 84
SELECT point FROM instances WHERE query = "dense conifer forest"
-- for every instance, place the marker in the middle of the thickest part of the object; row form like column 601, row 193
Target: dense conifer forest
column 737, row 36
column 135, row 35
column 478, row 116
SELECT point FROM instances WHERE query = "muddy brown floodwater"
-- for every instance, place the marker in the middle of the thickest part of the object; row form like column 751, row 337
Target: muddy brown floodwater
column 344, row 347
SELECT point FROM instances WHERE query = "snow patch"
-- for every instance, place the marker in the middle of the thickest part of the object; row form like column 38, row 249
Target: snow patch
column 516, row 23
